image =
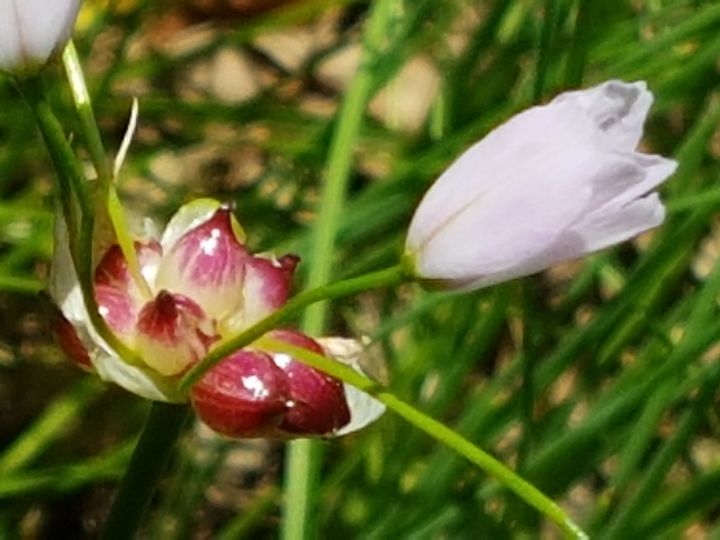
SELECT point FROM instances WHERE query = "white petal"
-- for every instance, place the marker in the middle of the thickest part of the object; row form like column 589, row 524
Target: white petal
column 364, row 409
column 601, row 230
column 10, row 53
column 508, row 197
column 627, row 177
column 617, row 108
column 30, row 30
column 523, row 198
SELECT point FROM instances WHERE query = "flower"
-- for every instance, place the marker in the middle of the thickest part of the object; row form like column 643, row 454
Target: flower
column 31, row 30
column 553, row 183
column 200, row 284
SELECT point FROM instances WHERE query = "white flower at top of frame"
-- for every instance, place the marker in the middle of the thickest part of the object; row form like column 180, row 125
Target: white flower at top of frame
column 31, row 30
column 553, row 183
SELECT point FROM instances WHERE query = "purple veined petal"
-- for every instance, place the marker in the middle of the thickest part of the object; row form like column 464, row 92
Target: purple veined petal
column 364, row 409
column 113, row 268
column 207, row 264
column 172, row 333
column 268, row 283
column 316, row 401
column 618, row 109
column 245, row 395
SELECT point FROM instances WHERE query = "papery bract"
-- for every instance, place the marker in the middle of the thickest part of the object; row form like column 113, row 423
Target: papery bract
column 31, row 30
column 553, row 183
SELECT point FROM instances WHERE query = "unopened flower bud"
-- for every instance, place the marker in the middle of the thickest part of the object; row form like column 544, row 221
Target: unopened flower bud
column 553, row 183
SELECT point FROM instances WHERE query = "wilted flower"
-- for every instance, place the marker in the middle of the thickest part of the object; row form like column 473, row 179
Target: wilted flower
column 31, row 30
column 199, row 285
column 553, row 183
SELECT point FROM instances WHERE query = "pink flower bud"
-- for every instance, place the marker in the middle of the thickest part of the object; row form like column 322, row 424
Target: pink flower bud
column 255, row 393
column 553, row 183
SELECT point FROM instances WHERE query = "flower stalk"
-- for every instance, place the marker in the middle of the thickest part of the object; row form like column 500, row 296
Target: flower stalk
column 388, row 277
column 303, row 458
column 440, row 432
column 150, row 458
column 75, row 200
column 108, row 203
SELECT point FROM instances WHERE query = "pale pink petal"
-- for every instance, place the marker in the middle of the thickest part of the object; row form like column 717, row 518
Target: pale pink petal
column 600, row 230
column 517, row 201
column 617, row 108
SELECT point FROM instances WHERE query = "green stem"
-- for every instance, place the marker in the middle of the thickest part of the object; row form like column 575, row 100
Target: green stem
column 79, row 216
column 438, row 431
column 163, row 427
column 149, row 460
column 109, row 205
column 83, row 105
column 382, row 278
column 303, row 458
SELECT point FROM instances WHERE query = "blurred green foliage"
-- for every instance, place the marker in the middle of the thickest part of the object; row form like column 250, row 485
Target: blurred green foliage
column 596, row 381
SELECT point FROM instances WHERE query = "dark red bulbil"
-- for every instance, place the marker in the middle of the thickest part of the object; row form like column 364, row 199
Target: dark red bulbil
column 70, row 343
column 256, row 394
column 317, row 400
column 243, row 396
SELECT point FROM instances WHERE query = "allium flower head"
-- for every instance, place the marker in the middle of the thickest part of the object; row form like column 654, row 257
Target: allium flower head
column 31, row 30
column 201, row 284
column 553, row 183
